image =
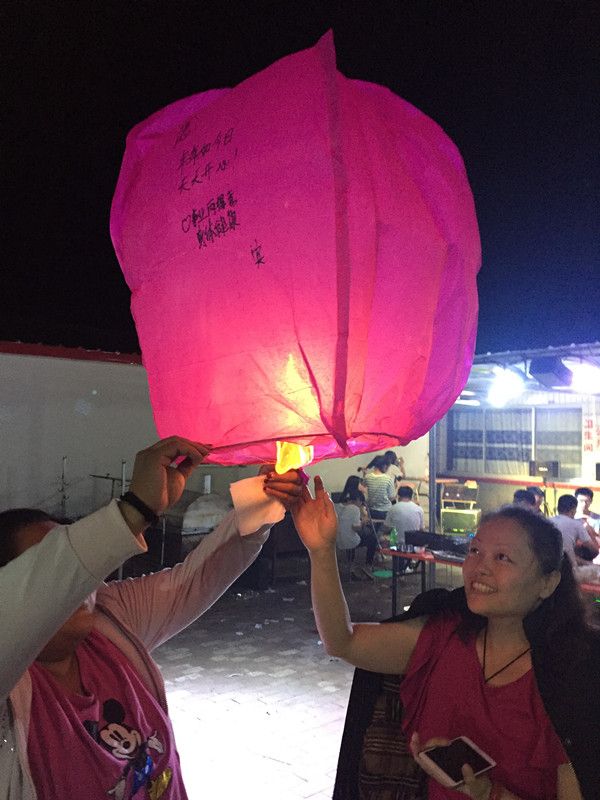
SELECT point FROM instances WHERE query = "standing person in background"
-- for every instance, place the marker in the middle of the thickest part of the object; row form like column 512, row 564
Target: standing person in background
column 584, row 497
column 538, row 496
column 381, row 492
column 574, row 533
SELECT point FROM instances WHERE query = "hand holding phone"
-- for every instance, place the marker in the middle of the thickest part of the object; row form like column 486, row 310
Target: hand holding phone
column 444, row 763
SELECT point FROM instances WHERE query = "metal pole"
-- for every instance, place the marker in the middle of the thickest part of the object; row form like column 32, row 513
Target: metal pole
column 430, row 580
column 432, row 483
column 123, row 463
column 63, row 488
column 162, row 543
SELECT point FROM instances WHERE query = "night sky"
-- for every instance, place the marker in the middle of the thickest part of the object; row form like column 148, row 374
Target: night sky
column 514, row 84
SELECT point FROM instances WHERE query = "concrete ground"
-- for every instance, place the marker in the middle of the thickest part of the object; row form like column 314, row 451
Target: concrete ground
column 257, row 704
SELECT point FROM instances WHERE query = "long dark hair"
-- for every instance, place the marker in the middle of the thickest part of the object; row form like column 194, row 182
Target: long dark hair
column 11, row 522
column 561, row 617
column 351, row 491
column 379, row 462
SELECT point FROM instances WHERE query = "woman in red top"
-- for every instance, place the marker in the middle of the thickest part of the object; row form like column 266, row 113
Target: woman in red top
column 465, row 674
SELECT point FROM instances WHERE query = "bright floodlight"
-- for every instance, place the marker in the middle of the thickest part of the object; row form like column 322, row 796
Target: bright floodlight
column 586, row 379
column 507, row 385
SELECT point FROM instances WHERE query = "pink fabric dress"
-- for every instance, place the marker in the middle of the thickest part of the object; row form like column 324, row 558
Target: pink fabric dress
column 114, row 741
column 444, row 695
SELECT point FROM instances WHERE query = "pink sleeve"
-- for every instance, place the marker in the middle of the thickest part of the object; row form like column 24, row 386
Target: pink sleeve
column 157, row 606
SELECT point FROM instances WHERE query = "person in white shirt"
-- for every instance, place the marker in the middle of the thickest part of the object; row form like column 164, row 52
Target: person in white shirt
column 405, row 515
column 573, row 532
column 584, row 497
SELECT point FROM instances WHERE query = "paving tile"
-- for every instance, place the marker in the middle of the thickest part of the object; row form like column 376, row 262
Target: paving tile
column 261, row 715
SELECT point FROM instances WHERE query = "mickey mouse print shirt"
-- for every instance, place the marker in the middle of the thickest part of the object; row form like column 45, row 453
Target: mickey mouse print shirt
column 113, row 741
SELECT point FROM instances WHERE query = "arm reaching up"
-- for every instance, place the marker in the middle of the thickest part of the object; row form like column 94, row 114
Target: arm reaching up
column 381, row 648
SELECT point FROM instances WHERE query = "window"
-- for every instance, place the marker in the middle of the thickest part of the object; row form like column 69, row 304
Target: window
column 508, row 441
column 558, row 438
column 503, row 441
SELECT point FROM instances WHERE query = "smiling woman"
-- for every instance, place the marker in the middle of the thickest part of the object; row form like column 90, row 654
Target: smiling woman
column 494, row 661
column 503, row 578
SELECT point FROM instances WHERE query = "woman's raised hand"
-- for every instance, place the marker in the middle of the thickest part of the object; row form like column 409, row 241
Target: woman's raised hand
column 315, row 518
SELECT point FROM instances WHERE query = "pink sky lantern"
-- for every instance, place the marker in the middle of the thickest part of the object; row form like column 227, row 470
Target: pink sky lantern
column 302, row 253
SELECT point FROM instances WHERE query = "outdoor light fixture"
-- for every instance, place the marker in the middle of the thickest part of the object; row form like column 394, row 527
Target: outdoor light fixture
column 467, row 401
column 586, row 378
column 508, row 384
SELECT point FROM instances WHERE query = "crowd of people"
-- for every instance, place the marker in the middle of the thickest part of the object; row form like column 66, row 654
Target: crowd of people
column 376, row 504
column 578, row 524
column 380, row 501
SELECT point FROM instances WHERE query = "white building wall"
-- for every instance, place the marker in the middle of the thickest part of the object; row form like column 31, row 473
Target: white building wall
column 98, row 414
column 94, row 413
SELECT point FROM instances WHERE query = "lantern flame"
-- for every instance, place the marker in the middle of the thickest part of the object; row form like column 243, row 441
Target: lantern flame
column 292, row 456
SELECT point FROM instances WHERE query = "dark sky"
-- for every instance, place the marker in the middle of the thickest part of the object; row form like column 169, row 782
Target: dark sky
column 514, row 84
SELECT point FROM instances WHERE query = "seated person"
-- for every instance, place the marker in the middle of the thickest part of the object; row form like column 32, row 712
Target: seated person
column 83, row 711
column 354, row 529
column 500, row 660
column 525, row 499
column 405, row 515
column 579, row 545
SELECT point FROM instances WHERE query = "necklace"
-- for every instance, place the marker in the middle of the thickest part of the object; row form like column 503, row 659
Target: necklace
column 506, row 666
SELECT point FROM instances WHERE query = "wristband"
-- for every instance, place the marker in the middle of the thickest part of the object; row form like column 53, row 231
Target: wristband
column 496, row 792
column 146, row 512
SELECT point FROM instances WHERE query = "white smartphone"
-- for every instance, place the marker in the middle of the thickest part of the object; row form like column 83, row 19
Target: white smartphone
column 445, row 763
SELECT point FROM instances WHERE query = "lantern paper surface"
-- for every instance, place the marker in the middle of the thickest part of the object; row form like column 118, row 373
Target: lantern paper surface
column 302, row 253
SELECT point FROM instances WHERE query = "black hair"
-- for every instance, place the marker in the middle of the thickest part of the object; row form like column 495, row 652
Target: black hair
column 585, row 491
column 390, row 456
column 566, row 503
column 379, row 462
column 524, row 496
column 13, row 521
column 351, row 490
column 405, row 491
column 544, row 538
column 563, row 611
column 536, row 490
